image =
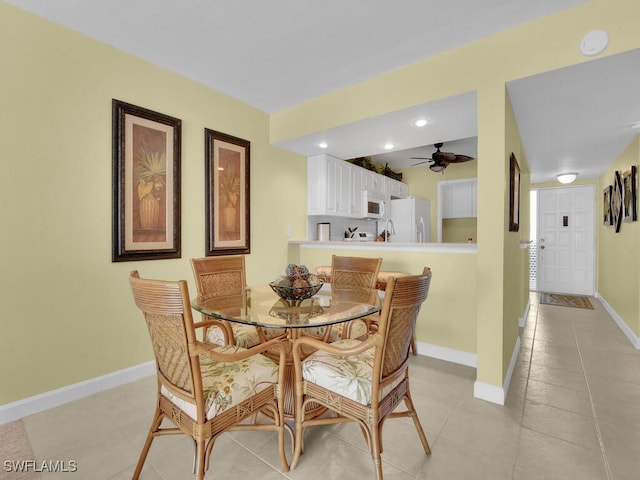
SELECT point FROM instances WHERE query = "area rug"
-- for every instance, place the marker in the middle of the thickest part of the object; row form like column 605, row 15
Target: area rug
column 16, row 456
column 561, row 300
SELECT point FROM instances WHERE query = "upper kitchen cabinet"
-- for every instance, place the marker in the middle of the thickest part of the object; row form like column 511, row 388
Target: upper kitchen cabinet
column 396, row 189
column 331, row 185
column 372, row 182
column 458, row 198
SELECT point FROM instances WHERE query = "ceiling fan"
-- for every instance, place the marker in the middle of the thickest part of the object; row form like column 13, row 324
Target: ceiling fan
column 440, row 160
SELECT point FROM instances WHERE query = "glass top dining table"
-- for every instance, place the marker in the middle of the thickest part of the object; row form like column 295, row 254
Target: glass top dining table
column 261, row 306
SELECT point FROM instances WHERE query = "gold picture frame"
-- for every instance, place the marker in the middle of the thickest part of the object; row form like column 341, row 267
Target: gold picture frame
column 145, row 184
column 227, row 216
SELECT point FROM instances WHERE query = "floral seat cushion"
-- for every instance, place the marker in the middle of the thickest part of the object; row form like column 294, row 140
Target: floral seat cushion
column 246, row 335
column 358, row 330
column 347, row 376
column 227, row 384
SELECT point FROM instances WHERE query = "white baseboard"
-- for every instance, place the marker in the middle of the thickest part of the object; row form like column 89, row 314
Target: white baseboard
column 635, row 340
column 44, row 401
column 522, row 321
column 447, row 354
column 491, row 393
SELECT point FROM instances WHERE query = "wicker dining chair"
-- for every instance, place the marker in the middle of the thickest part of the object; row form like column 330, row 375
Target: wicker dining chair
column 203, row 389
column 364, row 381
column 218, row 276
column 349, row 272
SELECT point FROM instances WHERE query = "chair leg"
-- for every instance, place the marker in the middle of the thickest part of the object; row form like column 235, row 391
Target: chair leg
column 376, row 448
column 200, row 461
column 416, row 421
column 299, row 419
column 155, row 425
column 414, row 349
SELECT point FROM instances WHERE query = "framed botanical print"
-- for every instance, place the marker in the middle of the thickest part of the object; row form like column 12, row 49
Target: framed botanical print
column 227, row 166
column 145, row 184
column 514, row 194
column 616, row 201
column 606, row 205
column 629, row 201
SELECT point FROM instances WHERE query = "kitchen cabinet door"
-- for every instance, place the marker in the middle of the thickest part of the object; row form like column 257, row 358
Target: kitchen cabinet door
column 396, row 188
column 458, row 198
column 329, row 186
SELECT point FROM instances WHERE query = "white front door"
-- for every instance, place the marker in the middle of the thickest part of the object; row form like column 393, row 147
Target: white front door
column 566, row 240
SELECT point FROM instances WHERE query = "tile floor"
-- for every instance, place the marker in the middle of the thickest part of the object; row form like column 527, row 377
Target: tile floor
column 573, row 412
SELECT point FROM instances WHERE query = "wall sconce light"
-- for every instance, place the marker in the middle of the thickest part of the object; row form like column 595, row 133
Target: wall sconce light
column 567, row 177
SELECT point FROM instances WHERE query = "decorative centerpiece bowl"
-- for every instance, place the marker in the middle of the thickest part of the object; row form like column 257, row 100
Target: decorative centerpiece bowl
column 295, row 293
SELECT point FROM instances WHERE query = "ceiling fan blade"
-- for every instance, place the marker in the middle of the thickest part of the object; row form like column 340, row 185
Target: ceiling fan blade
column 420, row 158
column 420, row 163
column 444, row 156
column 460, row 159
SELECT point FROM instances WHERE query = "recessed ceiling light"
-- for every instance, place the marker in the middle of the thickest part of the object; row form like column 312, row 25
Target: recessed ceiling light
column 635, row 125
column 388, row 146
column 421, row 122
column 323, row 144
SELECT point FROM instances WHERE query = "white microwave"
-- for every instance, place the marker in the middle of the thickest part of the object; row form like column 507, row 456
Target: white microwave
column 373, row 206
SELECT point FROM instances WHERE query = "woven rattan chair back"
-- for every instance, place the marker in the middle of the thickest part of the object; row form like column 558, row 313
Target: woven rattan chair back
column 171, row 330
column 217, row 276
column 355, row 271
column 403, row 300
column 220, row 276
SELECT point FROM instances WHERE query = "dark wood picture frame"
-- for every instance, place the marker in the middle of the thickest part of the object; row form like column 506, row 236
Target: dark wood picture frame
column 514, row 194
column 145, row 184
column 616, row 201
column 607, row 216
column 629, row 195
column 227, row 187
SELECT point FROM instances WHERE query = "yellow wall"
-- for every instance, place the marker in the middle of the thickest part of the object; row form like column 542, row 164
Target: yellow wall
column 445, row 319
column 618, row 280
column 67, row 313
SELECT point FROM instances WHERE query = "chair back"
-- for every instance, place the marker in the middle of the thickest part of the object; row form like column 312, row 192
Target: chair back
column 355, row 271
column 167, row 311
column 218, row 276
column 403, row 299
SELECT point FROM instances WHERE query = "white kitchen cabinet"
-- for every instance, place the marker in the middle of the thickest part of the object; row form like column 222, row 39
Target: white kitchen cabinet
column 458, row 198
column 336, row 187
column 396, row 189
column 330, row 187
column 373, row 182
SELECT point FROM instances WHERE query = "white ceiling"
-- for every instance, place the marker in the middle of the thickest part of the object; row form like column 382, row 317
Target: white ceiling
column 278, row 53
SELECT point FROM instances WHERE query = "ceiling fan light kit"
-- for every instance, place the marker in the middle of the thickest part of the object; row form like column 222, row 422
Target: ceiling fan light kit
column 566, row 178
column 440, row 160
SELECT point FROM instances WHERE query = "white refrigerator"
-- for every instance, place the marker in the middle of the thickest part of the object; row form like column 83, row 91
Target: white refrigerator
column 411, row 218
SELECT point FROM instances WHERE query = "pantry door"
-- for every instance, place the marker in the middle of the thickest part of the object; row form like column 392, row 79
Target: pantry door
column 566, row 240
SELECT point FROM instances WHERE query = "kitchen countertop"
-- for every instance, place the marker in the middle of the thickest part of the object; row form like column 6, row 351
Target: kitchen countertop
column 404, row 246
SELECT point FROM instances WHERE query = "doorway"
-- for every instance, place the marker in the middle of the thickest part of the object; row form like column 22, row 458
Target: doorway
column 565, row 240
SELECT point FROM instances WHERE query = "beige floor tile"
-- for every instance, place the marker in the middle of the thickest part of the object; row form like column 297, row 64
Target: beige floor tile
column 557, row 459
column 558, row 376
column 555, row 422
column 484, row 429
column 566, row 398
column 456, row 461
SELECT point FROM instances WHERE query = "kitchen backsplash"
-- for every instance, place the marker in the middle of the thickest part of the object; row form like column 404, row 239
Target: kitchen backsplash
column 341, row 224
